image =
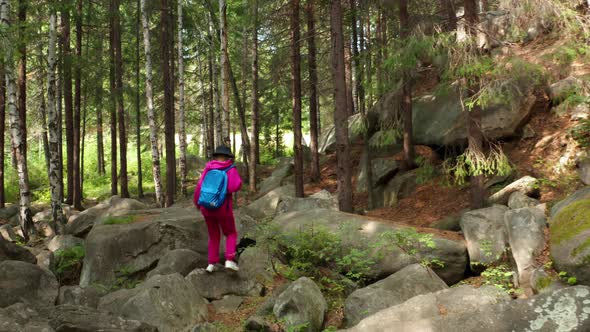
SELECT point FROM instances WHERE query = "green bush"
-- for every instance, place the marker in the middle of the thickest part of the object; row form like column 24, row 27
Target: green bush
column 119, row 220
column 68, row 264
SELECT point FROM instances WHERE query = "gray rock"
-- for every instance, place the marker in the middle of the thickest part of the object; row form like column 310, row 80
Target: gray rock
column 327, row 141
column 214, row 286
column 168, row 302
column 7, row 233
column 78, row 296
column 358, row 232
column 67, row 318
column 432, row 306
column 278, row 177
column 256, row 324
column 64, row 242
column 411, row 281
column 583, row 167
column 526, row 236
column 27, row 283
column 228, row 304
column 519, row 200
column 384, row 169
column 204, row 327
column 255, row 263
column 579, row 195
column 526, row 185
column 45, row 259
column 542, row 282
column 485, row 234
column 9, row 212
column 181, row 261
column 136, row 248
column 266, row 206
column 580, row 112
column 401, row 186
column 112, row 207
column 301, row 304
column 450, row 223
column 560, row 90
column 290, row 204
column 20, row 317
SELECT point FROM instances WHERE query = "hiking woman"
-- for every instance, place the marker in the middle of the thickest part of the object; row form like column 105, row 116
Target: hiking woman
column 213, row 196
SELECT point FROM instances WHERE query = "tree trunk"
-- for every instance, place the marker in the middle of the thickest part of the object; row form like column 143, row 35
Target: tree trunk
column 348, row 77
column 406, row 102
column 241, row 114
column 43, row 109
column 119, row 100
column 449, row 8
column 181, row 120
column 254, row 142
column 59, row 108
column 137, row 102
column 113, row 102
column 471, row 16
column 218, row 123
column 53, row 118
column 22, row 70
column 296, row 96
column 150, row 106
column 99, row 119
column 68, row 101
column 165, row 25
column 211, row 135
column 225, row 110
column 77, row 195
column 369, row 57
column 2, row 129
column 344, row 173
column 16, row 127
column 313, row 92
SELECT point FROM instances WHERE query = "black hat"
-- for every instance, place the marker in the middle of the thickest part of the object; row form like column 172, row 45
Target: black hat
column 223, row 151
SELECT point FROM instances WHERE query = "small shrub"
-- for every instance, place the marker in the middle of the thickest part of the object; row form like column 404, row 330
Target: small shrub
column 68, row 264
column 426, row 170
column 501, row 277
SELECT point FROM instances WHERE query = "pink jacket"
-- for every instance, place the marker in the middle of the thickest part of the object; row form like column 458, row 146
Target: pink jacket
column 234, row 183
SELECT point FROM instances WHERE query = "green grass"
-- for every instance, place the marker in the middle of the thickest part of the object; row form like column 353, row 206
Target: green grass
column 119, row 220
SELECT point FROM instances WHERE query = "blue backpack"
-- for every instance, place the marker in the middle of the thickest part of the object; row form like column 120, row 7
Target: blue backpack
column 214, row 188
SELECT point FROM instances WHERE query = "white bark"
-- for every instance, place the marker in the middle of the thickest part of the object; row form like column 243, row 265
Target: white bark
column 181, row 121
column 150, row 106
column 54, row 166
column 16, row 127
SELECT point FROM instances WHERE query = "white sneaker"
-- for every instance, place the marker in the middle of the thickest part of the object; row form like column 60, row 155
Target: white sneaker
column 231, row 265
column 211, row 268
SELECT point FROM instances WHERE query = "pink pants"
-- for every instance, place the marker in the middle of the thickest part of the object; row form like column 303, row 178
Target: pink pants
column 228, row 227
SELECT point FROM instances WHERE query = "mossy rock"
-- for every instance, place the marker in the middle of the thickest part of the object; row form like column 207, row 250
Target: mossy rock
column 570, row 240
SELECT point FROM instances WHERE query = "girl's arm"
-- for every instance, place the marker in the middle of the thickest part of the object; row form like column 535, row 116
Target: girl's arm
column 234, row 181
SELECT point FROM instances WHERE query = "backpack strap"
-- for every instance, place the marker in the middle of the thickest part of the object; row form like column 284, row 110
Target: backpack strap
column 227, row 169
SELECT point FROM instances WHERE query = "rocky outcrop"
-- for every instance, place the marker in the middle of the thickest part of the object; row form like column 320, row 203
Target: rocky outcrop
column 11, row 251
column 301, row 305
column 279, row 176
column 64, row 242
column 526, row 185
column 519, row 200
column 560, row 90
column 401, row 286
column 485, row 234
column 266, row 206
column 181, row 261
column 320, row 200
column 214, row 286
column 26, row 283
column 78, row 296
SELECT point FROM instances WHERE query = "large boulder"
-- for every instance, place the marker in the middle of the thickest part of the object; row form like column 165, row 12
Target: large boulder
column 301, row 305
column 266, row 206
column 560, row 90
column 579, row 195
column 439, row 119
column 526, row 236
column 26, row 283
column 11, row 251
column 383, row 170
column 485, row 234
column 526, row 185
column 279, row 177
column 570, row 240
column 401, row 186
column 519, row 200
column 560, row 310
column 327, row 141
column 64, row 242
column 20, row 317
column 130, row 250
column 115, row 206
column 79, row 296
column 67, row 318
column 320, row 200
column 214, row 286
column 411, row 281
column 181, row 261
column 167, row 302
column 361, row 233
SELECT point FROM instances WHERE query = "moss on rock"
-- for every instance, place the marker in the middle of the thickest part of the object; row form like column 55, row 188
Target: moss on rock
column 571, row 221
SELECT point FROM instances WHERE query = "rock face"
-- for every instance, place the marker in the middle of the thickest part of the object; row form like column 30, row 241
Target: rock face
column 570, row 240
column 129, row 250
column 519, row 200
column 11, row 251
column 22, row 318
column 214, row 286
column 485, row 234
column 168, row 302
column 112, row 207
column 526, row 185
column 579, row 195
column 266, row 206
column 66, row 318
column 397, row 188
column 526, row 237
column 560, row 90
column 561, row 310
column 78, row 296
column 438, row 120
column 327, row 141
column 64, row 242
column 321, row 200
column 410, row 281
column 278, row 177
column 181, row 261
column 383, row 170
column 27, row 283
column 358, row 232
column 301, row 305
column 583, row 167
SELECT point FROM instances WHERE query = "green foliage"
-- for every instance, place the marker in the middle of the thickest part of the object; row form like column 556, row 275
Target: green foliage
column 581, row 133
column 410, row 242
column 425, row 171
column 568, row 279
column 501, row 277
column 119, row 220
column 409, row 53
column 473, row 163
column 68, row 262
column 385, row 137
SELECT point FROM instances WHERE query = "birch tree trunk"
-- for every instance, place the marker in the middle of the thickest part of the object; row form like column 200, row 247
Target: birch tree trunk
column 16, row 127
column 181, row 116
column 22, row 70
column 150, row 105
column 225, row 111
column 43, row 109
column 2, row 129
column 344, row 173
